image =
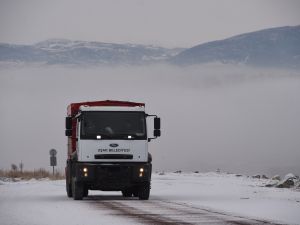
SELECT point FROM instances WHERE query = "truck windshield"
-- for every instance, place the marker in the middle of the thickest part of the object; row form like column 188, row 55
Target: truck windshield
column 113, row 125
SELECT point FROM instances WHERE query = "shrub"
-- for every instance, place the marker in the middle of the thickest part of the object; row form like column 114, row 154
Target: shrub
column 35, row 174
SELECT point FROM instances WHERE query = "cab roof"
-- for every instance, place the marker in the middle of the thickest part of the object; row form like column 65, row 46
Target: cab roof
column 73, row 108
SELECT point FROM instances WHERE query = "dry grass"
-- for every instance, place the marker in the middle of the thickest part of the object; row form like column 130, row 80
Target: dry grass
column 35, row 174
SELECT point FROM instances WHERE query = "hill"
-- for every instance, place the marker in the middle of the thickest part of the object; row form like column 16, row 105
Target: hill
column 275, row 47
column 62, row 51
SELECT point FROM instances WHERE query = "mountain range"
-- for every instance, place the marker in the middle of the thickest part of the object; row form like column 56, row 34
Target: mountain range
column 274, row 47
column 62, row 51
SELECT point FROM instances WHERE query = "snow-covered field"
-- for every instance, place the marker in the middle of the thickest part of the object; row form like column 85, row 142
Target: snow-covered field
column 203, row 196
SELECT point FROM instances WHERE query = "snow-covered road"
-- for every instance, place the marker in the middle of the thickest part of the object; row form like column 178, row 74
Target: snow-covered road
column 208, row 198
column 169, row 212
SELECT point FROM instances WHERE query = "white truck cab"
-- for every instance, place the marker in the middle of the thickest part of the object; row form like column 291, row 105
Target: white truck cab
column 108, row 148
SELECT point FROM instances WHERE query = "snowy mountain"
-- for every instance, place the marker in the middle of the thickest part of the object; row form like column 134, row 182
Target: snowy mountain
column 279, row 47
column 275, row 47
column 62, row 51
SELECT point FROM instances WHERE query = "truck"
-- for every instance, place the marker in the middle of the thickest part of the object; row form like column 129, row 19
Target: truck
column 108, row 148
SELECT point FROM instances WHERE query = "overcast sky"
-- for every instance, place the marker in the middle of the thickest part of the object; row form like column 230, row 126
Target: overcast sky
column 169, row 23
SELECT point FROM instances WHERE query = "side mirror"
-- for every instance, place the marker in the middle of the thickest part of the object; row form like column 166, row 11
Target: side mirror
column 156, row 133
column 68, row 123
column 156, row 123
column 68, row 132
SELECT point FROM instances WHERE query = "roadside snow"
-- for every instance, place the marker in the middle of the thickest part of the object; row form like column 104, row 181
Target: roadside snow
column 45, row 202
column 231, row 194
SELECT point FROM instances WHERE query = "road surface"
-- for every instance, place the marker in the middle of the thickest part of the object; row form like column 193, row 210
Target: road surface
column 165, row 212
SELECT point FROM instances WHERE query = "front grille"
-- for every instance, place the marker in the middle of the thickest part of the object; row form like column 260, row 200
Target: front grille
column 113, row 172
column 113, row 177
column 113, row 156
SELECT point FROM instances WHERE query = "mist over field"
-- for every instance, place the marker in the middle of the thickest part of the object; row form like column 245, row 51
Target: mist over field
column 234, row 118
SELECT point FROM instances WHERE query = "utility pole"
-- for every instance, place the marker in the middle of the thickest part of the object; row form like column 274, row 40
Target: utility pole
column 21, row 165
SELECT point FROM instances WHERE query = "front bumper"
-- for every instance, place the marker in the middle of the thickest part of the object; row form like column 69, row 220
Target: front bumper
column 112, row 176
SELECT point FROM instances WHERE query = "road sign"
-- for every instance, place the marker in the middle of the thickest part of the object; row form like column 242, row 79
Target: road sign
column 53, row 152
column 53, row 161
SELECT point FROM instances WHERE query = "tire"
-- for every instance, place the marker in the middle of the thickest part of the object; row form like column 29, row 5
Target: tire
column 85, row 192
column 77, row 190
column 144, row 192
column 69, row 189
column 135, row 193
column 127, row 193
column 68, row 181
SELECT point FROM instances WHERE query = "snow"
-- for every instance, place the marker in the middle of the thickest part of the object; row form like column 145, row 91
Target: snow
column 45, row 202
column 236, row 195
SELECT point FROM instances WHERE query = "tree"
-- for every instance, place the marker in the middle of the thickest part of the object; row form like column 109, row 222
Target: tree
column 14, row 167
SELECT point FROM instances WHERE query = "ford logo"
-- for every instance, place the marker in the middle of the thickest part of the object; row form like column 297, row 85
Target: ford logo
column 113, row 145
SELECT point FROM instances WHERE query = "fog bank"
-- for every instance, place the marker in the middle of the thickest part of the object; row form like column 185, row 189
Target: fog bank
column 236, row 119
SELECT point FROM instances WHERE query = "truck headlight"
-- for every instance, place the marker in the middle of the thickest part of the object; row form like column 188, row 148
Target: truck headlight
column 141, row 172
column 85, row 171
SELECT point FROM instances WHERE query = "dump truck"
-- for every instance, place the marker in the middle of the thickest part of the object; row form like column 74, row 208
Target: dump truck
column 108, row 148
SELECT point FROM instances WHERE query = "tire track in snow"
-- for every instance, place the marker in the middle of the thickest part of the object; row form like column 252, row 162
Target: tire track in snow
column 118, row 208
column 163, row 212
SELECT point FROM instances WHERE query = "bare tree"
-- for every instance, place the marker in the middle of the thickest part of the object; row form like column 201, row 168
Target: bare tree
column 14, row 167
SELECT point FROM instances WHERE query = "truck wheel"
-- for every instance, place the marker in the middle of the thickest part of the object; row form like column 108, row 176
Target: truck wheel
column 69, row 189
column 135, row 193
column 85, row 192
column 77, row 190
column 127, row 193
column 144, row 192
